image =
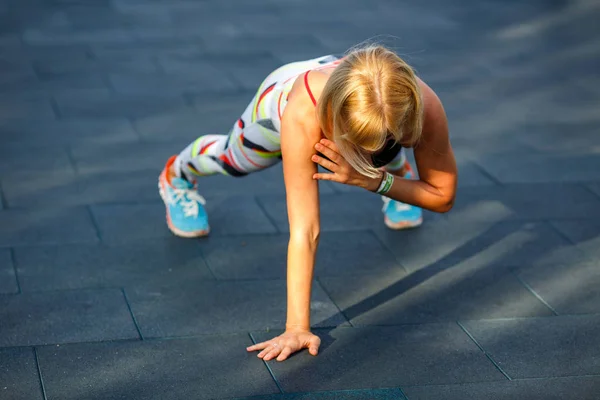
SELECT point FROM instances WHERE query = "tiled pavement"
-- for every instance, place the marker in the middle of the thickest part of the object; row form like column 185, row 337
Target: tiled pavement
column 498, row 299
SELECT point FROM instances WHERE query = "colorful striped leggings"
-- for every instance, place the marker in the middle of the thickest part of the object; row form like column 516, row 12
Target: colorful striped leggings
column 254, row 142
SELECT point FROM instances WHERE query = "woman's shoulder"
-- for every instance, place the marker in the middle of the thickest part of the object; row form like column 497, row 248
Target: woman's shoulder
column 301, row 106
column 431, row 101
column 308, row 87
column 434, row 115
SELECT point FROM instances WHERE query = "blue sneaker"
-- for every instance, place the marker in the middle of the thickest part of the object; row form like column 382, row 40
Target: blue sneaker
column 399, row 215
column 186, row 216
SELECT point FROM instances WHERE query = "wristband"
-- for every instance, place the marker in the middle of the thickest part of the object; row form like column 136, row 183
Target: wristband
column 386, row 183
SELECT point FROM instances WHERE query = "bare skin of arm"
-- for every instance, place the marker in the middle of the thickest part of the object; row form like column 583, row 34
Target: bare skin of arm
column 299, row 133
column 436, row 188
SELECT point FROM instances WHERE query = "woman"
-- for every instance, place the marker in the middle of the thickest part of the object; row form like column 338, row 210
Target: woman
column 352, row 116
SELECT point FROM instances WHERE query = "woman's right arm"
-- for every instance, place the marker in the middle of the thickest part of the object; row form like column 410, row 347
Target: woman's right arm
column 298, row 137
column 299, row 133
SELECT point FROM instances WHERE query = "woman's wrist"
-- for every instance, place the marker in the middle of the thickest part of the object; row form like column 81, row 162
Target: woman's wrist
column 297, row 327
column 373, row 183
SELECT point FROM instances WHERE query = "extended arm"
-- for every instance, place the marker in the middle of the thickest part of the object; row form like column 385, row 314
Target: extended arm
column 299, row 133
column 302, row 198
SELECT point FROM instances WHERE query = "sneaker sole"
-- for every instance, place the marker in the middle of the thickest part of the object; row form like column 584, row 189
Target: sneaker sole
column 403, row 224
column 173, row 229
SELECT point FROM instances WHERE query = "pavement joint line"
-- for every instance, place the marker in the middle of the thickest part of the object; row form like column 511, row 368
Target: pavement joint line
column 55, row 108
column 13, row 260
column 212, row 273
column 486, row 174
column 94, row 223
column 388, row 250
column 403, row 394
column 587, row 187
column 137, row 326
column 39, row 370
column 71, row 159
column 504, row 381
column 534, row 293
column 268, row 367
column 324, row 289
column 483, row 351
column 269, row 218
column 3, row 201
column 561, row 233
column 134, row 128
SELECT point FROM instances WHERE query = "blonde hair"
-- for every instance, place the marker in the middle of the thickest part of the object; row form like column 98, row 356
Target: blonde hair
column 371, row 96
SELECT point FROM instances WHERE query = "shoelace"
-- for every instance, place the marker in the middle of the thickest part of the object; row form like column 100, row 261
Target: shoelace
column 398, row 206
column 189, row 200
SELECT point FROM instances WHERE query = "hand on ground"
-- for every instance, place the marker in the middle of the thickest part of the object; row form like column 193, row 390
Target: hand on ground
column 286, row 344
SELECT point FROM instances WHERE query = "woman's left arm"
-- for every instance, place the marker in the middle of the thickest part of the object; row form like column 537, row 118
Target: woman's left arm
column 436, row 188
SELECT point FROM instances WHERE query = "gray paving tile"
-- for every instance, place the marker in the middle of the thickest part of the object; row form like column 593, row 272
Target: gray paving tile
column 144, row 50
column 169, row 262
column 227, row 216
column 447, row 244
column 9, row 39
column 594, row 187
column 100, row 105
column 541, row 347
column 14, row 63
column 187, row 369
column 568, row 287
column 25, row 108
column 198, row 307
column 67, row 37
column 575, row 388
column 80, row 81
column 546, row 137
column 187, row 14
column 516, row 201
column 94, row 159
column 189, row 124
column 192, row 77
column 8, row 281
column 470, row 174
column 19, row 379
column 264, row 256
column 61, row 132
column 584, row 233
column 261, row 39
column 100, row 16
column 64, row 317
column 430, row 295
column 24, row 227
column 346, row 253
column 361, row 358
column 92, row 188
column 250, row 74
column 51, row 53
column 49, row 69
column 543, row 168
column 579, row 231
column 367, row 394
column 233, row 104
column 20, row 162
